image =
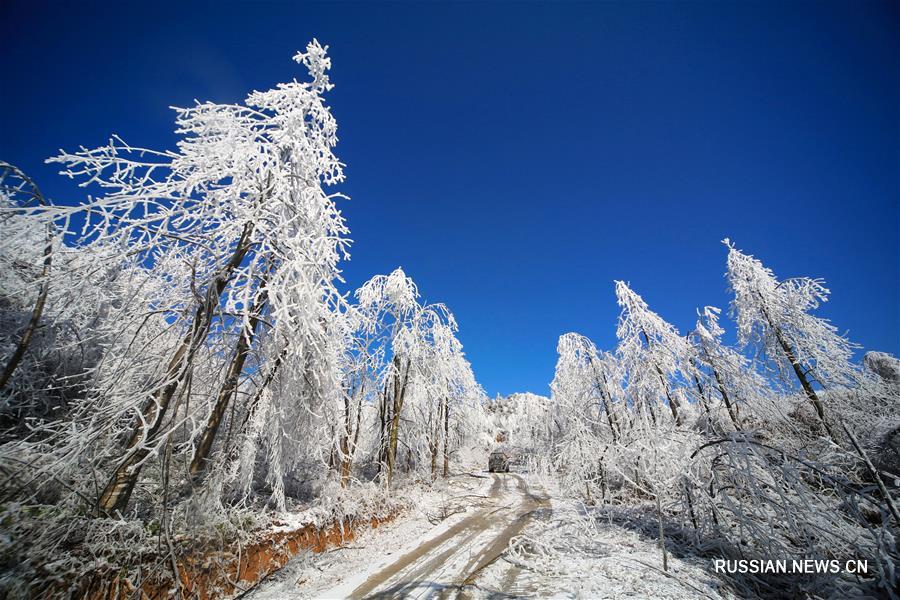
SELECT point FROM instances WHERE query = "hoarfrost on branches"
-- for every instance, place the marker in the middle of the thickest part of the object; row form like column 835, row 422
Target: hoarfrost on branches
column 196, row 366
column 182, row 366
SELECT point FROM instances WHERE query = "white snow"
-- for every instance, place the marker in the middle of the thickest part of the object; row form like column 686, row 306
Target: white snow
column 558, row 554
column 337, row 572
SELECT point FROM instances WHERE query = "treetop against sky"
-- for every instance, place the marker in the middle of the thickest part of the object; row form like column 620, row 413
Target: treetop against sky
column 516, row 160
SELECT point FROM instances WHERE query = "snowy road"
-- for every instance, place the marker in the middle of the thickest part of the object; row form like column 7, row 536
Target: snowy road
column 448, row 564
column 451, row 545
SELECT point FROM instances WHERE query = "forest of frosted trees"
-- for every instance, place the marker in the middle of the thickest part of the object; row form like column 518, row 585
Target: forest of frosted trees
column 182, row 365
column 780, row 447
column 178, row 353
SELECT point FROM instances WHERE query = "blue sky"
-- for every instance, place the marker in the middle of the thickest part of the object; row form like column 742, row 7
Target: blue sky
column 515, row 159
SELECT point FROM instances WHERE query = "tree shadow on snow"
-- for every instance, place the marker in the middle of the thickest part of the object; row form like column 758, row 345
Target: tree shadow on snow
column 686, row 544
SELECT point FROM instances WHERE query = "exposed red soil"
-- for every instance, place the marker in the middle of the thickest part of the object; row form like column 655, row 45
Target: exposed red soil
column 221, row 574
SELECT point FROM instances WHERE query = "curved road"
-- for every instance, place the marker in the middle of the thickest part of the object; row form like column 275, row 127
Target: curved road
column 450, row 564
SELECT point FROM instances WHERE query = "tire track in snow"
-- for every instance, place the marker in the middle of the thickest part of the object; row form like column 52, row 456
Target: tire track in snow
column 408, row 560
column 446, row 566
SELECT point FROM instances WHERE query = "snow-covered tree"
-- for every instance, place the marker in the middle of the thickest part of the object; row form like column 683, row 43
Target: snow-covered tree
column 176, row 349
column 651, row 352
column 523, row 420
column 588, row 380
column 361, row 369
column 775, row 317
column 726, row 373
column 424, row 373
column 448, row 386
column 17, row 189
column 391, row 304
column 241, row 243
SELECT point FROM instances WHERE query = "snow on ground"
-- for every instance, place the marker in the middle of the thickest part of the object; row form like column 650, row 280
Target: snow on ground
column 563, row 554
column 480, row 536
column 337, row 572
column 445, row 563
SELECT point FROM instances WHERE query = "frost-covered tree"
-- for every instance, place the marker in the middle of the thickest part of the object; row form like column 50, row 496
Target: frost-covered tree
column 587, row 414
column 728, row 374
column 584, row 374
column 437, row 378
column 55, row 300
column 728, row 484
column 527, row 421
column 448, row 385
column 651, row 352
column 775, row 316
column 241, row 244
column 391, row 305
column 17, row 189
column 361, row 368
column 176, row 354
column 424, row 373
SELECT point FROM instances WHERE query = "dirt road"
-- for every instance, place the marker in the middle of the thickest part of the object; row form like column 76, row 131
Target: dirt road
column 451, row 544
column 449, row 565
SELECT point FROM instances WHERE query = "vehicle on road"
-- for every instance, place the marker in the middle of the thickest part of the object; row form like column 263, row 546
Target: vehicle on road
column 499, row 461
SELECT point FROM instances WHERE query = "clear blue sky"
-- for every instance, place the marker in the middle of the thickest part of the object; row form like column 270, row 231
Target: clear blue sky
column 515, row 159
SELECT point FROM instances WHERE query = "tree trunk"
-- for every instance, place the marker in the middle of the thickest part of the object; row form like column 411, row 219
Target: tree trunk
column 732, row 408
column 344, row 444
column 118, row 490
column 651, row 410
column 351, row 434
column 446, row 437
column 269, row 378
column 435, row 440
column 433, row 448
column 662, row 538
column 878, row 480
column 230, row 385
column 606, row 398
column 804, row 383
column 720, row 385
column 673, row 403
column 38, row 308
column 399, row 393
column 331, row 460
column 704, row 401
column 409, row 458
column 798, row 371
column 437, row 434
column 701, row 394
column 384, row 418
column 607, row 405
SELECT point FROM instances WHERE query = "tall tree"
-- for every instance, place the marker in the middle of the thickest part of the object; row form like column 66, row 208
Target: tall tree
column 775, row 316
column 585, row 374
column 17, row 188
column 652, row 353
column 237, row 212
column 391, row 303
column 726, row 371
